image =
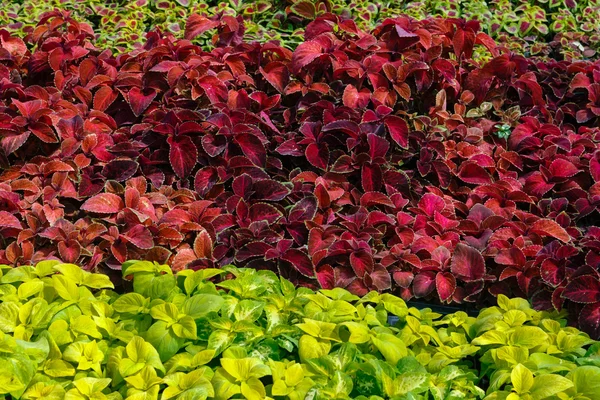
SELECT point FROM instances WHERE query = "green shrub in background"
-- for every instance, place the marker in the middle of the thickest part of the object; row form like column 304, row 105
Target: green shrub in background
column 572, row 24
column 239, row 333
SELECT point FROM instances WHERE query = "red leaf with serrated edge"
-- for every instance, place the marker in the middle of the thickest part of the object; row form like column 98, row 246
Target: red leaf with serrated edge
column 398, row 129
column 104, row 97
column 270, row 190
column 120, row 170
column 547, row 227
column 140, row 101
column 299, row 261
column 361, row 262
column 595, row 166
column 403, row 278
column 197, row 24
column 183, row 155
column 370, row 199
column 252, row 148
column 69, row 251
column 277, row 74
column 445, row 284
column 583, row 289
column 326, row 276
column 589, row 320
column 7, row 220
column 140, row 237
column 424, row 284
column 552, row 273
column 354, row 99
column 203, row 245
column 563, row 169
column 264, row 212
column 536, row 185
column 380, row 278
column 205, row 180
column 306, row 53
column 104, row 203
column 318, row 155
column 467, row 263
column 474, row 174
column 372, row 177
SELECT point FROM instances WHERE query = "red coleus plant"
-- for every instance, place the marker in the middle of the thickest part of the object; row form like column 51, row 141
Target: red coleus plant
column 385, row 160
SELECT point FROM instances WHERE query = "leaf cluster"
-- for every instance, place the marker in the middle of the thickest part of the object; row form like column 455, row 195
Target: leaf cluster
column 240, row 333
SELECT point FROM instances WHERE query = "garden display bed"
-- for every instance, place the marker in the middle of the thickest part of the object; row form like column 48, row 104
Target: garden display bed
column 411, row 195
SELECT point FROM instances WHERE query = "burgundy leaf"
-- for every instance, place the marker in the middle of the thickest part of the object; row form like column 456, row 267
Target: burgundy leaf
column 546, row 227
column 270, row 190
column 299, row 261
column 7, row 220
column 445, row 284
column 424, row 283
column 398, row 129
column 140, row 237
column 104, row 203
column 467, row 263
column 139, row 101
column 120, row 170
column 183, row 155
column 252, row 148
column 197, row 24
column 583, row 289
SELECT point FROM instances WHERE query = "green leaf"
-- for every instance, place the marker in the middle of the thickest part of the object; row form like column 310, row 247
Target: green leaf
column 528, row 336
column 166, row 312
column 545, row 386
column 131, row 303
column 201, row 305
column 311, row 347
column 165, row 342
column 30, row 288
column 58, row 369
column 71, row 272
column 97, row 281
column 586, row 381
column 65, row 287
column 9, row 316
column 521, row 378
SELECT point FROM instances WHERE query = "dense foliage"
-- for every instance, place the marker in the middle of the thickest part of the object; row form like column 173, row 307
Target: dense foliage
column 385, row 160
column 542, row 27
column 239, row 333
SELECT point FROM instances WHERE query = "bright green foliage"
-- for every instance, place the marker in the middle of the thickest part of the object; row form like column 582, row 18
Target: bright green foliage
column 64, row 333
column 122, row 24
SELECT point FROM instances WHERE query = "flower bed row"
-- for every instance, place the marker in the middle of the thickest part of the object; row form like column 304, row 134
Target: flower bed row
column 240, row 333
column 566, row 27
column 385, row 160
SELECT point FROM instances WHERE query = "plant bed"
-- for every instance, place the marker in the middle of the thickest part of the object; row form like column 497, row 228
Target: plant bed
column 240, row 333
column 387, row 160
column 552, row 29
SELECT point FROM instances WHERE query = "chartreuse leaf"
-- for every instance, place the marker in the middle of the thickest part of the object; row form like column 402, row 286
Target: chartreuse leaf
column 586, row 382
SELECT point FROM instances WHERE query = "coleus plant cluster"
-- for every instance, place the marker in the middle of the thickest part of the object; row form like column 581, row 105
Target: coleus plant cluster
column 564, row 28
column 241, row 333
column 386, row 160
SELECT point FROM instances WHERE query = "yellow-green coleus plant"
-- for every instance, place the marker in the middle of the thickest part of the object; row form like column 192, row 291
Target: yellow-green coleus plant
column 244, row 334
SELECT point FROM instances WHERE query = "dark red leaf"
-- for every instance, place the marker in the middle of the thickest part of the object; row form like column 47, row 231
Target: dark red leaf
column 583, row 289
column 104, row 203
column 252, row 148
column 183, row 155
column 467, row 263
column 300, row 262
column 197, row 24
column 546, row 227
column 445, row 284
